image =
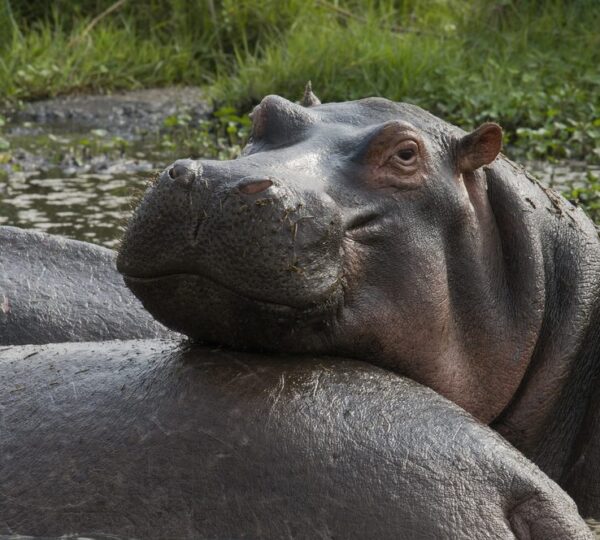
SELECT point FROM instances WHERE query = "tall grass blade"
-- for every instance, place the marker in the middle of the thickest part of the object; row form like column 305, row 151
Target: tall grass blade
column 8, row 26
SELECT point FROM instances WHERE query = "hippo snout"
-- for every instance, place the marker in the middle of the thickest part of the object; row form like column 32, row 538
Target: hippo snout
column 264, row 239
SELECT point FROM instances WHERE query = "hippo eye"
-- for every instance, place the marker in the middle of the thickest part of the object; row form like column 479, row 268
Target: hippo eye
column 407, row 153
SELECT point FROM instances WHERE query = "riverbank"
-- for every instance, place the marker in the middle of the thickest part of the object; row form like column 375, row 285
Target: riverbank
column 527, row 64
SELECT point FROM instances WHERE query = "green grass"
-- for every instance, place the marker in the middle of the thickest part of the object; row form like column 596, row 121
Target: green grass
column 46, row 64
column 533, row 68
column 531, row 65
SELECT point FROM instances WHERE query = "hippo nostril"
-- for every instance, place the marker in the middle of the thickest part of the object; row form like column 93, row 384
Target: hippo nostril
column 250, row 187
column 183, row 173
column 178, row 171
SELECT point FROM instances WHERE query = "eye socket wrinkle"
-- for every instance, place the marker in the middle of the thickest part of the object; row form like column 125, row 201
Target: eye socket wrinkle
column 383, row 139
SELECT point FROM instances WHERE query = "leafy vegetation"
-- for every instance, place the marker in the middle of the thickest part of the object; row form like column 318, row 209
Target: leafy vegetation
column 531, row 65
column 4, row 144
column 586, row 195
column 220, row 137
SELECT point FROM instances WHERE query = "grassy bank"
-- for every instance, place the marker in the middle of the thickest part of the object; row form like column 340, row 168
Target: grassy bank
column 531, row 65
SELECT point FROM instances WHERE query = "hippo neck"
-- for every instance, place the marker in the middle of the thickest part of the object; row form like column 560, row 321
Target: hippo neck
column 546, row 413
column 496, row 299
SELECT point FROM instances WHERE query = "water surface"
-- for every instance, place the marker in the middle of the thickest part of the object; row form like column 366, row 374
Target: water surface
column 73, row 166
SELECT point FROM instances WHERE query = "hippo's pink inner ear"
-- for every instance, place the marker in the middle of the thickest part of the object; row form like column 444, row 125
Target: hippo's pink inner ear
column 479, row 148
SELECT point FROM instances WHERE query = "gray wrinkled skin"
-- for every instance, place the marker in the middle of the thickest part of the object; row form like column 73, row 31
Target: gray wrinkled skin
column 455, row 269
column 54, row 290
column 141, row 439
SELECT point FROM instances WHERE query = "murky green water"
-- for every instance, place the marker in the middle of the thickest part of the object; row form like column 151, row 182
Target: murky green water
column 86, row 207
column 79, row 180
column 72, row 166
column 54, row 183
column 94, row 206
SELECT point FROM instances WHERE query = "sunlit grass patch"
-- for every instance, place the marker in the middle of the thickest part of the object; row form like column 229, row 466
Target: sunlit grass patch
column 530, row 65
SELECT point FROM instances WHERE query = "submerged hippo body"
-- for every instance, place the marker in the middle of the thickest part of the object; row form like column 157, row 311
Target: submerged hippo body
column 53, row 289
column 376, row 231
column 147, row 440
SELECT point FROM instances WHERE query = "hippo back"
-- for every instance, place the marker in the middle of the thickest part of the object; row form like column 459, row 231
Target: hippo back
column 53, row 289
column 150, row 440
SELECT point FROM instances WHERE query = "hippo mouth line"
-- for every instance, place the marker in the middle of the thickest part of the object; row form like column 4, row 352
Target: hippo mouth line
column 308, row 307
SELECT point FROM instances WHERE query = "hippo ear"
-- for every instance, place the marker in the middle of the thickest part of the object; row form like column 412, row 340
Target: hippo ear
column 479, row 148
column 309, row 99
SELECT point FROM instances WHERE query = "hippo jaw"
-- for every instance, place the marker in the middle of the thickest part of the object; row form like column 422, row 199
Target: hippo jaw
column 209, row 312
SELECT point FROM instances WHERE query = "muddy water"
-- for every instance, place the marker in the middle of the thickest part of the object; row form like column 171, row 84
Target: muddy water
column 73, row 166
column 87, row 200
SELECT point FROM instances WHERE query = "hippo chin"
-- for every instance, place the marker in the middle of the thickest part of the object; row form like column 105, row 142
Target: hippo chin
column 374, row 230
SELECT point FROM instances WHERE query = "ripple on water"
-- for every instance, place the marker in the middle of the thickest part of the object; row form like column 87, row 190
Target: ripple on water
column 94, row 203
column 87, row 207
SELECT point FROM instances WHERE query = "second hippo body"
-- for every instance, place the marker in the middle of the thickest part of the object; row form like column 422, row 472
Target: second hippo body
column 148, row 439
column 54, row 289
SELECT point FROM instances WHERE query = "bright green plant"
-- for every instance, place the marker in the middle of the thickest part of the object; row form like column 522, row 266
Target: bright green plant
column 586, row 195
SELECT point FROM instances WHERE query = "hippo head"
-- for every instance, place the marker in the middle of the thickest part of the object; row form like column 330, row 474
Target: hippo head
column 363, row 229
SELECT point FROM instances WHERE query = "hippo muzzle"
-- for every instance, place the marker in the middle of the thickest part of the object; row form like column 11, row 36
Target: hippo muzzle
column 242, row 252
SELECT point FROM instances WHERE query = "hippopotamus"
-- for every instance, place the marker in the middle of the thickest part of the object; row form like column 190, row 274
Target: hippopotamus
column 147, row 439
column 376, row 231
column 69, row 429
column 53, row 289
